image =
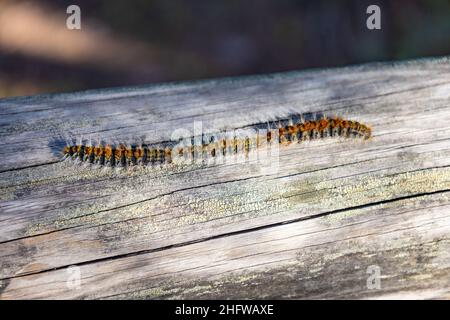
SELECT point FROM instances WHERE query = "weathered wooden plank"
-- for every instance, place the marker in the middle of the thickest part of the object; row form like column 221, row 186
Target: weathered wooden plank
column 315, row 258
column 192, row 219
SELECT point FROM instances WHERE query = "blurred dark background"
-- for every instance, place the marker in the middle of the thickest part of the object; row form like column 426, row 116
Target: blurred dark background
column 135, row 42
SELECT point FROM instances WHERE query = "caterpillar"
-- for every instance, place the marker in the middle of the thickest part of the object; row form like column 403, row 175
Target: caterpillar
column 287, row 131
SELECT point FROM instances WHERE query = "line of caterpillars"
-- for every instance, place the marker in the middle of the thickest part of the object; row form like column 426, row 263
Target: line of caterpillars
column 291, row 131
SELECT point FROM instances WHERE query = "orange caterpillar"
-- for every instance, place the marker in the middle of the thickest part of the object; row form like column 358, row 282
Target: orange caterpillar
column 291, row 131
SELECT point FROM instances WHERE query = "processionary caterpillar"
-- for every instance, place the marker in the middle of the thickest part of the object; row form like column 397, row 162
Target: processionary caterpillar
column 293, row 129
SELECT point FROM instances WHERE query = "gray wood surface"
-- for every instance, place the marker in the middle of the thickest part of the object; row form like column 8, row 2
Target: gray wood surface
column 310, row 222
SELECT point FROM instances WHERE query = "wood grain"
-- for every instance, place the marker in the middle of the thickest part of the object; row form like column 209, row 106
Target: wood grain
column 306, row 223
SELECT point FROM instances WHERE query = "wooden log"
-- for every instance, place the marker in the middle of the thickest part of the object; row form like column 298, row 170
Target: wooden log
column 334, row 218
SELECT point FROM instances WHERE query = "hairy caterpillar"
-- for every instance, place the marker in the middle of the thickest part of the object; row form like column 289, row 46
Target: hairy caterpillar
column 293, row 129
